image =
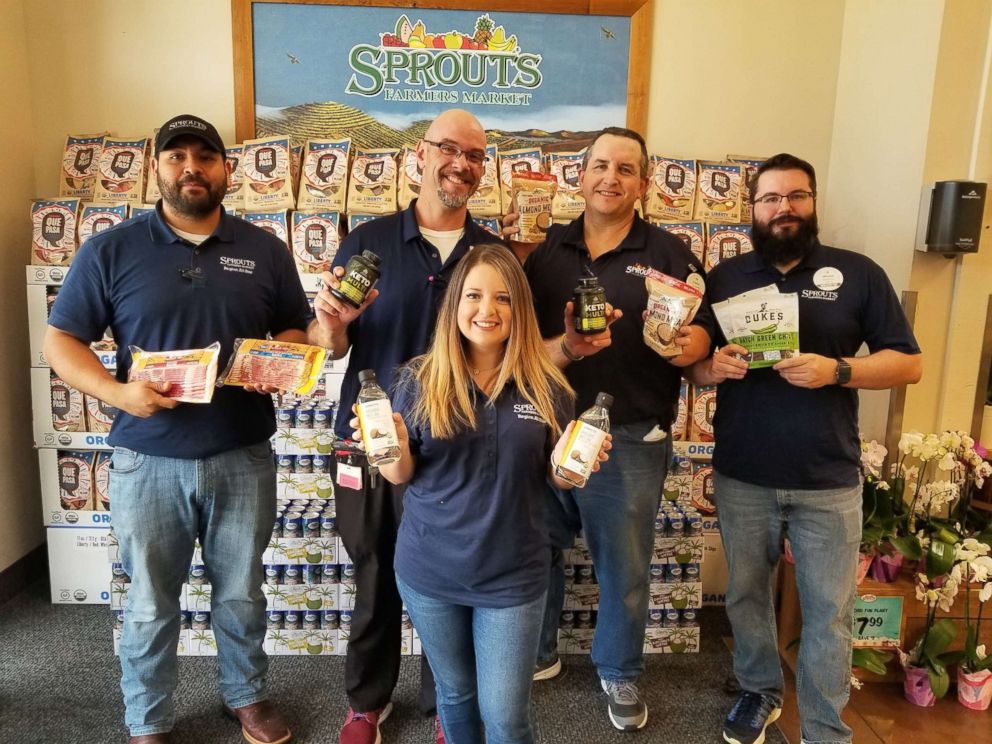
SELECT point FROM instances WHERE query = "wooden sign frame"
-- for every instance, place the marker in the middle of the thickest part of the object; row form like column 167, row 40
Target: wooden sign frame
column 640, row 12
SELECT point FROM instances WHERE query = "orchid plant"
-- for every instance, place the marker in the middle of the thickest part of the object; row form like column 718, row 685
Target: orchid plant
column 973, row 567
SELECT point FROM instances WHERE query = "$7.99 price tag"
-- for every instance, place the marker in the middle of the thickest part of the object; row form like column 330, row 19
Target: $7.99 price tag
column 877, row 621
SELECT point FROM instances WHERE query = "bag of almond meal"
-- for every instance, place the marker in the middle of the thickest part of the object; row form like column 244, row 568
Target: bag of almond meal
column 533, row 195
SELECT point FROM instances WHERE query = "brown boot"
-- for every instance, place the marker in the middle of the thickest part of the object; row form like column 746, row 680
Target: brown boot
column 151, row 739
column 260, row 723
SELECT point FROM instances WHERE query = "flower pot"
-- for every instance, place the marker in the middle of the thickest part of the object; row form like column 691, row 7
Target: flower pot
column 885, row 568
column 864, row 561
column 975, row 689
column 916, row 687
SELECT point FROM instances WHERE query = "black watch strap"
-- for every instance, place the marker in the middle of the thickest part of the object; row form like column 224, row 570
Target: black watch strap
column 843, row 374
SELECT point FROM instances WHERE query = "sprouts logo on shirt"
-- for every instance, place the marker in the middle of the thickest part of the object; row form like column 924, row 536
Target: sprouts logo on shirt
column 527, row 412
column 237, row 265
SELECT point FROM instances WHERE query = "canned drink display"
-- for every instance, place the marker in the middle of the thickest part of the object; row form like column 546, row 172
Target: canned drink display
column 328, row 525
column 329, row 620
column 304, row 464
column 674, row 573
column 311, row 524
column 345, row 619
column 285, row 463
column 583, row 620
column 694, row 524
column 657, row 573
column 277, row 527
column 274, row 620
column 285, row 417
column 200, row 621
column 198, row 574
column 118, row 575
column 185, row 619
column 304, row 417
column 569, row 570
column 676, row 525
column 273, row 574
column 670, row 619
column 119, row 620
column 660, row 524
column 567, row 620
column 690, row 618
column 292, row 620
column 292, row 525
column 405, row 621
column 311, row 620
column 330, row 574
column 585, row 575
column 655, row 618
column 292, row 574
column 348, row 573
column 321, row 464
column 311, row 574
column 323, row 416
column 690, row 572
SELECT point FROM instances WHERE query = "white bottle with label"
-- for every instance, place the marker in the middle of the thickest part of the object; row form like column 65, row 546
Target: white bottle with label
column 375, row 417
column 583, row 445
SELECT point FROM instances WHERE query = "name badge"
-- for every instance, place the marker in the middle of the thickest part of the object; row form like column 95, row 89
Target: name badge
column 349, row 476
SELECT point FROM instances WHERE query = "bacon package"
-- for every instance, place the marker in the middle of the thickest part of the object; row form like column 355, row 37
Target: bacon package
column 99, row 217
column 79, row 164
column 672, row 304
column 53, row 231
column 191, row 373
column 533, row 194
column 290, row 367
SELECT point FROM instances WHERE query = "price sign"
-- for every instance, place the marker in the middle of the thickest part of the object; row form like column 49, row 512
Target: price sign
column 877, row 621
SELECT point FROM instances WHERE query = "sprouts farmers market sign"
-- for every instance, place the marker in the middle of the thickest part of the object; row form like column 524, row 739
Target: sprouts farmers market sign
column 414, row 64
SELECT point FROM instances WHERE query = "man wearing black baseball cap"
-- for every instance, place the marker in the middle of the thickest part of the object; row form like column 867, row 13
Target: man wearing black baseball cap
column 184, row 276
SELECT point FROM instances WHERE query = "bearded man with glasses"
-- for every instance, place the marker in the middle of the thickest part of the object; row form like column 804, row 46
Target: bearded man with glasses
column 787, row 452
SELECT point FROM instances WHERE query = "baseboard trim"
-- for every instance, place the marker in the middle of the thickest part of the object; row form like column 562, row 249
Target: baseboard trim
column 23, row 572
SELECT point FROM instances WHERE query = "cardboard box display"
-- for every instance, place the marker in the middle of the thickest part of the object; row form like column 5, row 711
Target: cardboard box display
column 78, row 567
column 121, row 171
column 80, row 159
column 718, row 197
column 268, row 175
column 53, row 231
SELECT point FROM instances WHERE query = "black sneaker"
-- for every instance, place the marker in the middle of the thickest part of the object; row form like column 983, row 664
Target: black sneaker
column 750, row 716
column 547, row 669
column 627, row 711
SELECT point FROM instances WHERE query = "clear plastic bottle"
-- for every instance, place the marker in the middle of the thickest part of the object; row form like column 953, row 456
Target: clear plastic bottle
column 582, row 448
column 375, row 418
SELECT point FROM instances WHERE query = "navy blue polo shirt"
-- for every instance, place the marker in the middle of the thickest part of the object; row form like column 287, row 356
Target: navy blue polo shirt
column 770, row 433
column 473, row 530
column 643, row 385
column 130, row 279
column 400, row 323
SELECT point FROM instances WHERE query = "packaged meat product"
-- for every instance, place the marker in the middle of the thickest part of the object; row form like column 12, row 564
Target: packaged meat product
column 191, row 373
column 284, row 365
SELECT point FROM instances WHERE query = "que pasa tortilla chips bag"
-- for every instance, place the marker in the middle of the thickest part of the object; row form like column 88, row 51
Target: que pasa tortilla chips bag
column 79, row 164
column 372, row 186
column 726, row 241
column 671, row 189
column 267, row 174
column 751, row 166
column 566, row 167
column 487, row 201
column 533, row 194
column 234, row 199
column 315, row 240
column 53, row 231
column 324, row 177
column 276, row 223
column 690, row 233
column 120, row 174
column 411, row 177
column 719, row 187
column 96, row 218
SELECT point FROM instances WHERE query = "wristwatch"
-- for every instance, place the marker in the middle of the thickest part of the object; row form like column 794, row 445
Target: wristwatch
column 843, row 374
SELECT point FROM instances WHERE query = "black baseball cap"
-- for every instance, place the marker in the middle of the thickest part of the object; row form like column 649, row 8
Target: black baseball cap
column 187, row 124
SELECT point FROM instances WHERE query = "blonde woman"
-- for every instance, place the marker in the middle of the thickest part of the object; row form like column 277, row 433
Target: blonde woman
column 477, row 417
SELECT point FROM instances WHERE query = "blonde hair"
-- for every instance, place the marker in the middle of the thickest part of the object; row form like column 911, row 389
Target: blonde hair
column 446, row 399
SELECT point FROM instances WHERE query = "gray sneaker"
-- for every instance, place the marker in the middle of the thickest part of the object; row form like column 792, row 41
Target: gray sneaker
column 627, row 711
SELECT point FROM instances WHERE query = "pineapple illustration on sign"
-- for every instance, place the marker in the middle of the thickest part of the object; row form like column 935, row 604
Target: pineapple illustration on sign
column 483, row 31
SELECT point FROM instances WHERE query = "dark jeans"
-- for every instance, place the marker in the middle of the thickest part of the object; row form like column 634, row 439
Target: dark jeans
column 367, row 522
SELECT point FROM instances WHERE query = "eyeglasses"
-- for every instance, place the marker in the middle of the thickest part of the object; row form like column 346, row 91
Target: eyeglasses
column 475, row 157
column 796, row 198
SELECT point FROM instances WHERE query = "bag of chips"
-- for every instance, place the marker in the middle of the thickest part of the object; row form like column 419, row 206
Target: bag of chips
column 79, row 164
column 764, row 322
column 372, row 185
column 486, row 201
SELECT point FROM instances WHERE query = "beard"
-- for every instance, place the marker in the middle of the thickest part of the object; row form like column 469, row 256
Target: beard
column 778, row 249
column 189, row 205
column 456, row 201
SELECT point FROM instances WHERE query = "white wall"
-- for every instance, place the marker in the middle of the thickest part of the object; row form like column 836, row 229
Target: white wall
column 20, row 502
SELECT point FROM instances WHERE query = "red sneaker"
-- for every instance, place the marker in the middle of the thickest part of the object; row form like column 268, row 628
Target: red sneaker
column 363, row 728
column 438, row 731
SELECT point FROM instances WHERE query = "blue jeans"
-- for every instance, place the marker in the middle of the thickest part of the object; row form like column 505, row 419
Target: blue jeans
column 160, row 506
column 825, row 532
column 483, row 661
column 617, row 509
